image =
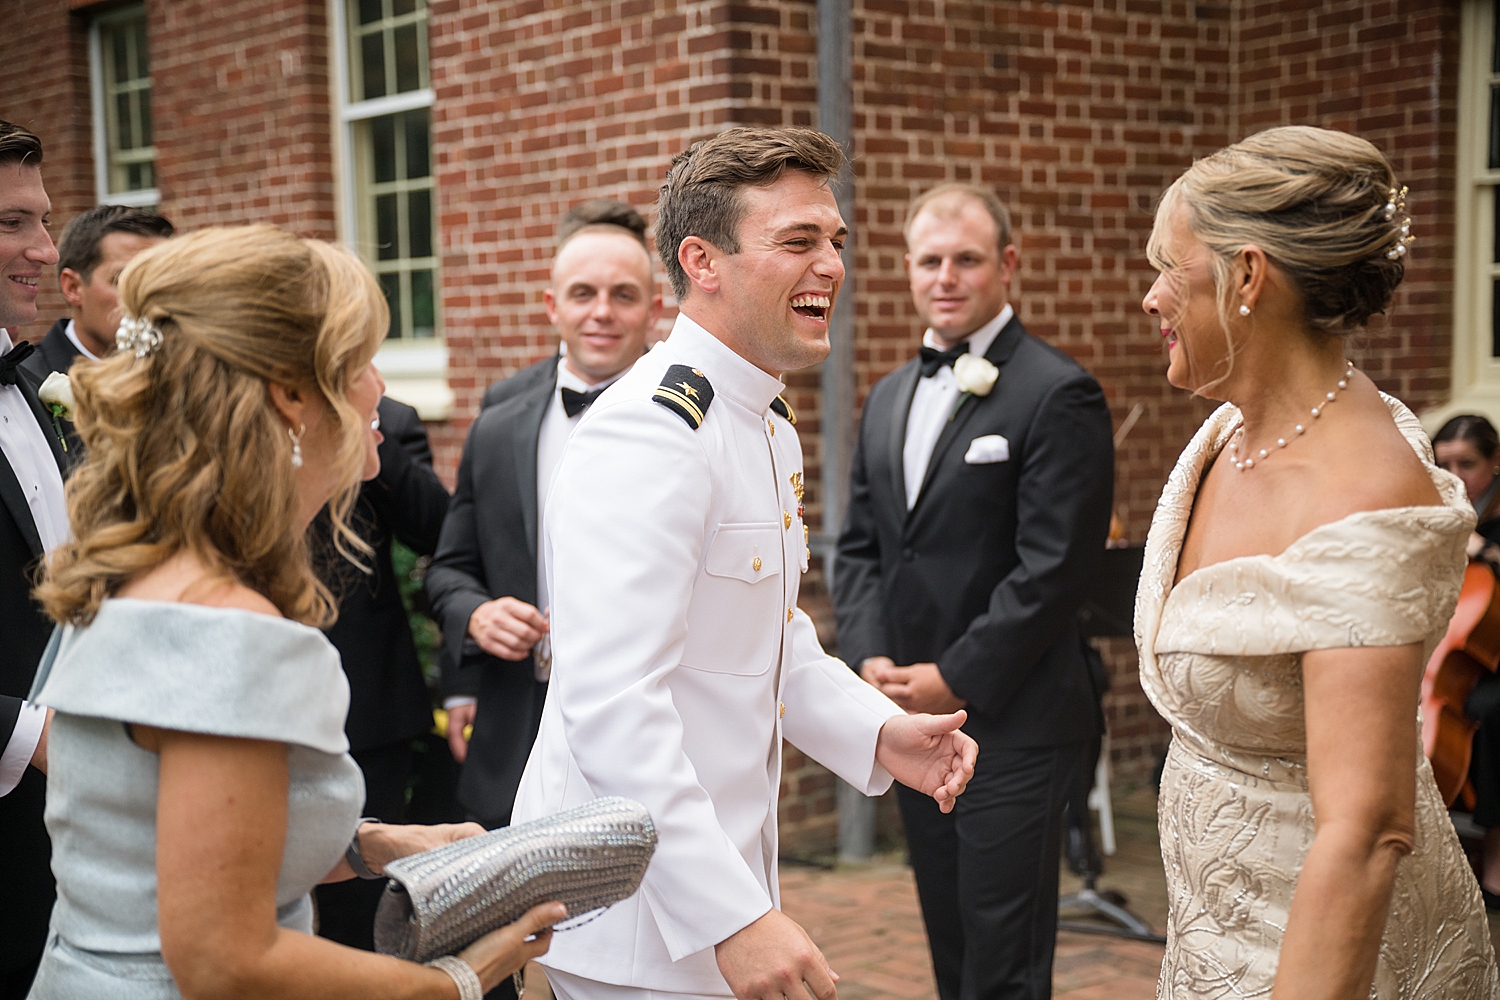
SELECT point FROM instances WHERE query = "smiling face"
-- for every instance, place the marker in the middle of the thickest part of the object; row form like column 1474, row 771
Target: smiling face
column 960, row 277
column 603, row 302
column 771, row 301
column 26, row 248
column 1184, row 301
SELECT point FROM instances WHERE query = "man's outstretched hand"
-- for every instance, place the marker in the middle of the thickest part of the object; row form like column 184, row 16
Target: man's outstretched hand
column 773, row 958
column 929, row 753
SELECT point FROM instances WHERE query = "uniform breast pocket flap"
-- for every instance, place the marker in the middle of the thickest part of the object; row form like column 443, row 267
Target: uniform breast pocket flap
column 987, row 450
column 748, row 552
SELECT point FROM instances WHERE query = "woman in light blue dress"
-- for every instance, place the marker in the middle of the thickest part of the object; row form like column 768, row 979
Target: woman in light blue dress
column 200, row 784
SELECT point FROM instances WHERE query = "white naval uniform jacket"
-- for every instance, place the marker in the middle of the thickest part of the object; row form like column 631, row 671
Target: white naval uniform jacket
column 675, row 556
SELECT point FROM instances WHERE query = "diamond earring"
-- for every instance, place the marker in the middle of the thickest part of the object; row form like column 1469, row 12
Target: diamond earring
column 296, row 437
column 1244, row 310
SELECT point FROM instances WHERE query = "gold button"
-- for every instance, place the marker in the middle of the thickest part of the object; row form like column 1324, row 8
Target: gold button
column 787, row 518
column 808, row 556
column 804, row 533
column 782, row 713
column 772, row 426
column 755, row 564
column 788, row 614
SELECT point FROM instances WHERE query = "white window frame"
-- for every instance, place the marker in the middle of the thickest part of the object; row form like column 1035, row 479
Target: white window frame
column 415, row 372
column 147, row 197
column 1476, row 373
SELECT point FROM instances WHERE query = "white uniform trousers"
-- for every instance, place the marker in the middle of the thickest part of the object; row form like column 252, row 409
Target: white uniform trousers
column 566, row 986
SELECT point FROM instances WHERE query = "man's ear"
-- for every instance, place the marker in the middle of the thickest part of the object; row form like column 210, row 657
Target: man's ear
column 700, row 261
column 290, row 403
column 549, row 303
column 72, row 285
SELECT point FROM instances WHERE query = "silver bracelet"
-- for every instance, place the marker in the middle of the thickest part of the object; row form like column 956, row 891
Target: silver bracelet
column 462, row 974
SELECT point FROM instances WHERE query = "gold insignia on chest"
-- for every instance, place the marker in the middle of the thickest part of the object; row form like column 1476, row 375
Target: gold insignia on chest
column 796, row 481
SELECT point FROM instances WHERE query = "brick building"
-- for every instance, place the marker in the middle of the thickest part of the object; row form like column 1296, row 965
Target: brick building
column 444, row 139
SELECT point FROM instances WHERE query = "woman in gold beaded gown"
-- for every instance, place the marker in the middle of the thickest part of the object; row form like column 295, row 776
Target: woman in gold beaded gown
column 1304, row 559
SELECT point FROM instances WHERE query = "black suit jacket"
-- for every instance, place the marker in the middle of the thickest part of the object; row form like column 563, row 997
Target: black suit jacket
column 24, row 631
column 487, row 551
column 388, row 700
column 986, row 572
column 56, row 353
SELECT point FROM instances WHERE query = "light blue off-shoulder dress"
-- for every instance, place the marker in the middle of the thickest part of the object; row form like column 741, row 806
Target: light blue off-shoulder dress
column 187, row 667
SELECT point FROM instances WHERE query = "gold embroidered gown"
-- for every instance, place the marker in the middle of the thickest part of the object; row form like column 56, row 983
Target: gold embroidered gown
column 1220, row 657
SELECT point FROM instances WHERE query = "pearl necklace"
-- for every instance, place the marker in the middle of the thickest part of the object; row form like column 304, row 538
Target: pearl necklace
column 1249, row 463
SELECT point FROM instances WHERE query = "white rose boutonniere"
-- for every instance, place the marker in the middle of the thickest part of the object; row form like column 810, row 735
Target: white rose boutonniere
column 975, row 376
column 56, row 394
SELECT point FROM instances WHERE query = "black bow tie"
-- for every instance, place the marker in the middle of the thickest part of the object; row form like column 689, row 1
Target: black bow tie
column 12, row 360
column 933, row 359
column 575, row 402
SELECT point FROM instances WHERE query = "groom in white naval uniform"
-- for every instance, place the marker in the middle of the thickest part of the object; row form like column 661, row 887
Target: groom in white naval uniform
column 676, row 543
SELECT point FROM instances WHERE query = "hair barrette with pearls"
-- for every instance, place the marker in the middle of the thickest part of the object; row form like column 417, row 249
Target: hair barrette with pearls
column 1395, row 202
column 137, row 335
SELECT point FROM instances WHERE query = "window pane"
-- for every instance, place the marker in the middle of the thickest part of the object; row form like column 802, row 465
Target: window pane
column 419, row 223
column 417, row 146
column 124, row 121
column 1495, row 202
column 372, row 64
column 143, row 107
column 399, row 7
column 408, row 59
column 142, row 70
column 134, row 180
column 122, row 55
column 383, row 148
column 1495, row 43
column 390, row 284
column 369, row 10
column 387, row 238
column 423, row 312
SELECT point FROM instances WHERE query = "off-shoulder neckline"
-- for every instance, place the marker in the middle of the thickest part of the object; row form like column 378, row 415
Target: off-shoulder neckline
column 1440, row 508
column 1225, row 416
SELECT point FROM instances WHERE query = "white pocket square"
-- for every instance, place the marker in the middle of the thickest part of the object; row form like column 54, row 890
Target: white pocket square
column 987, row 449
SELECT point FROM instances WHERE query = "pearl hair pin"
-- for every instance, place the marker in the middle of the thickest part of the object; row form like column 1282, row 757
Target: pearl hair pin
column 1249, row 462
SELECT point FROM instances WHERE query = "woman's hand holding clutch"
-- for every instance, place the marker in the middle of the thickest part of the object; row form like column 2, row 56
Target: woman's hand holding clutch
column 380, row 843
column 506, row 951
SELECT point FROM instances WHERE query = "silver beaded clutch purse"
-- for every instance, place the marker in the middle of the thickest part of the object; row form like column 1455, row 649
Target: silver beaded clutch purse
column 440, row 901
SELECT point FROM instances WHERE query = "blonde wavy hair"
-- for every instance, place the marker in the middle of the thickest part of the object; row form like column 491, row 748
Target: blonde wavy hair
column 185, row 450
column 1314, row 200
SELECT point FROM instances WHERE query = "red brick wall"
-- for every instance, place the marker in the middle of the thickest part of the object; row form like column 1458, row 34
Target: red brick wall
column 44, row 75
column 1386, row 71
column 243, row 111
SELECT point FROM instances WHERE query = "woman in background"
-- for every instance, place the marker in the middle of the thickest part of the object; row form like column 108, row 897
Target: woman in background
column 200, row 784
column 1304, row 559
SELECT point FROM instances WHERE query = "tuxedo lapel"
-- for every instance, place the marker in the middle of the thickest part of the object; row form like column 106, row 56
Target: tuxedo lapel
column 524, row 447
column 14, row 499
column 905, row 389
column 999, row 353
column 43, row 418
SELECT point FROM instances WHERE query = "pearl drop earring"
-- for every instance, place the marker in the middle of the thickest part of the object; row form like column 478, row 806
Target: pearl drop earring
column 1244, row 310
column 296, row 437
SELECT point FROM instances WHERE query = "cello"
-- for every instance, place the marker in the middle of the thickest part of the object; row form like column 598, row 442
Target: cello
column 1469, row 649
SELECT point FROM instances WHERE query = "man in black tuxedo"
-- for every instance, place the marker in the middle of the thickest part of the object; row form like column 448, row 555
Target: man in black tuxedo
column 388, row 702
column 486, row 583
column 979, row 506
column 94, row 248
column 33, row 520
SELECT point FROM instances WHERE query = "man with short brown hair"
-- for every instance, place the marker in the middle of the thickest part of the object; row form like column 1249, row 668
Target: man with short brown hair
column 978, row 507
column 675, row 541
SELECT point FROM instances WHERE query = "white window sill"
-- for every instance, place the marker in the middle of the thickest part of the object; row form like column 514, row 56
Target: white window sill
column 417, row 374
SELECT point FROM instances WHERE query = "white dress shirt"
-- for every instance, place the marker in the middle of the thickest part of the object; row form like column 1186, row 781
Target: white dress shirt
column 933, row 403
column 556, row 428
column 25, row 446
column 71, row 332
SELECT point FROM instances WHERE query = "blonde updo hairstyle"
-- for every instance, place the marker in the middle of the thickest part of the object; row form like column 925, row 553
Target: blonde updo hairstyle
column 1314, row 200
column 186, row 450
